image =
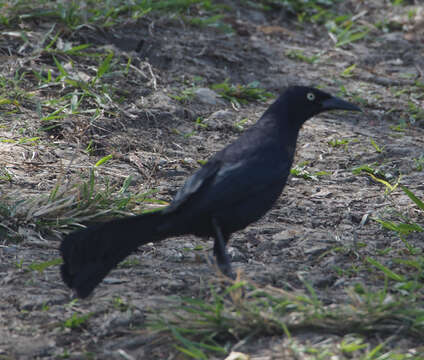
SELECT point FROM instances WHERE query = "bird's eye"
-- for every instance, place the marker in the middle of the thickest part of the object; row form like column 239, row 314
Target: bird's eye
column 310, row 96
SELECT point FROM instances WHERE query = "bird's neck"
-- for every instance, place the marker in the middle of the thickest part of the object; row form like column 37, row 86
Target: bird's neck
column 288, row 136
column 284, row 125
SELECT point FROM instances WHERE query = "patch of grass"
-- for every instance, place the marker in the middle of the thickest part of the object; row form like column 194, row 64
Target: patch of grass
column 129, row 263
column 338, row 143
column 240, row 311
column 304, row 10
column 184, row 96
column 379, row 176
column 40, row 267
column 300, row 56
column 345, row 30
column 416, row 111
column 211, row 21
column 241, row 94
column 76, row 321
column 199, row 123
column 354, row 95
column 300, row 171
column 19, row 264
column 7, row 101
column 400, row 128
column 240, row 125
column 419, row 163
column 70, row 206
column 5, row 175
column 348, row 72
column 76, row 13
column 12, row 93
column 24, row 140
column 74, row 80
column 83, row 90
column 120, row 304
column 377, row 148
column 406, row 226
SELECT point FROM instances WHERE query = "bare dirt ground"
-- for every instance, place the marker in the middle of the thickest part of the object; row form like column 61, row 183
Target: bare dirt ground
column 312, row 233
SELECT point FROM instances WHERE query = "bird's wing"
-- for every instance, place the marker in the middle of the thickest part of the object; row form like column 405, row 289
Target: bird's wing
column 223, row 183
column 194, row 183
column 235, row 182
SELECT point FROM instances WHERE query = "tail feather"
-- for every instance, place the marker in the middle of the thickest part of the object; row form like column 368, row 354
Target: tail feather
column 90, row 254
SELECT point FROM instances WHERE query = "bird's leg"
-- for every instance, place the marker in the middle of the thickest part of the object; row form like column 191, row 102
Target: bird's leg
column 219, row 250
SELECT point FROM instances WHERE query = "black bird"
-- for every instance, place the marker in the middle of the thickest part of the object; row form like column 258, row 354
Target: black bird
column 236, row 187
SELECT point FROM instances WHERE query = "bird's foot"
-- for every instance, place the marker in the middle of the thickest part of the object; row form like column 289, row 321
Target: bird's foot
column 227, row 270
column 224, row 268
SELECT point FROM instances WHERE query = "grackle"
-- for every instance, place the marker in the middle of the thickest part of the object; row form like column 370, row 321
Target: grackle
column 236, row 187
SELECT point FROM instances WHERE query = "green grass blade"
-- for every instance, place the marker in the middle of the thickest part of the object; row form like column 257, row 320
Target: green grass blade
column 103, row 160
column 417, row 201
column 104, row 66
column 389, row 273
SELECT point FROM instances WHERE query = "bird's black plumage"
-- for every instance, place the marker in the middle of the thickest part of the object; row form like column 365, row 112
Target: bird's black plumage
column 236, row 187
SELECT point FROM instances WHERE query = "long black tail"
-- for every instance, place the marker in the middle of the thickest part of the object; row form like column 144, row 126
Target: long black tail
column 89, row 254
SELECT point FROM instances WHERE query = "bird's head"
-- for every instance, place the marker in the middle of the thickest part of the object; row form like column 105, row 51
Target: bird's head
column 306, row 102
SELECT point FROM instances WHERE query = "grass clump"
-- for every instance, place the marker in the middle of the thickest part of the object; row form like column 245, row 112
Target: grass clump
column 68, row 206
column 304, row 10
column 378, row 175
column 405, row 225
column 239, row 312
column 300, row 171
column 76, row 321
column 345, row 30
column 184, row 96
column 76, row 13
column 299, row 55
column 339, row 143
column 241, row 94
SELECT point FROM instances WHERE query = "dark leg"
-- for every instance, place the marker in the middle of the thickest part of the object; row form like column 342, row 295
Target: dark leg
column 219, row 250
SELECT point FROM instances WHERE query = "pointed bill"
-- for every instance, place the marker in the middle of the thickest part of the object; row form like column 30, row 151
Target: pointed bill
column 335, row 103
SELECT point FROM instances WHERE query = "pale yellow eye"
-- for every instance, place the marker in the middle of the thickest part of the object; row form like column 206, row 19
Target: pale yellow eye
column 310, row 96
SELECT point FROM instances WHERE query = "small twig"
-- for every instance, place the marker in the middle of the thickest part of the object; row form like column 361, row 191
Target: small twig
column 125, row 355
column 151, row 27
column 153, row 80
column 420, row 71
column 201, row 52
column 357, row 16
column 234, row 106
column 139, row 71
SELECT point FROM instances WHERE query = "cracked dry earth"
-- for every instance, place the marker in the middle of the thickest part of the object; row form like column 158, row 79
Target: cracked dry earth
column 294, row 241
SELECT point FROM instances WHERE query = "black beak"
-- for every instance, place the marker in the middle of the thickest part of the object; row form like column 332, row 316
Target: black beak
column 335, row 103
